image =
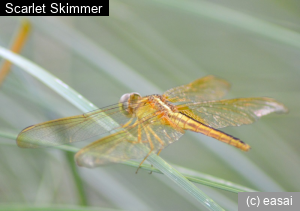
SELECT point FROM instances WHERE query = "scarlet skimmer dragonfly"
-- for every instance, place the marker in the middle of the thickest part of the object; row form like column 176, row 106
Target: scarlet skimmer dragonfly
column 153, row 122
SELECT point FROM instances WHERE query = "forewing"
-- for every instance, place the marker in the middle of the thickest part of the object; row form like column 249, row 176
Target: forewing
column 235, row 112
column 135, row 142
column 71, row 129
column 204, row 89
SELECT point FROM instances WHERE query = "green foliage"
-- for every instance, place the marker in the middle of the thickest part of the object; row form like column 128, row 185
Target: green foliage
column 149, row 47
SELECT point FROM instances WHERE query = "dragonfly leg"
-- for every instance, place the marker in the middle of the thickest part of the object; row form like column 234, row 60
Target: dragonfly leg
column 159, row 140
column 151, row 149
column 139, row 137
column 139, row 134
column 157, row 155
column 143, row 160
column 156, row 136
column 128, row 123
column 159, row 151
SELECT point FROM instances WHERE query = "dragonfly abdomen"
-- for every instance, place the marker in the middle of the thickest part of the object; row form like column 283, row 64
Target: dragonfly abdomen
column 224, row 137
column 188, row 123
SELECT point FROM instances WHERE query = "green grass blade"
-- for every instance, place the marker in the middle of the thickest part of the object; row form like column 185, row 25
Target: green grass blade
column 50, row 208
column 191, row 175
column 67, row 36
column 83, row 104
column 82, row 198
column 180, row 180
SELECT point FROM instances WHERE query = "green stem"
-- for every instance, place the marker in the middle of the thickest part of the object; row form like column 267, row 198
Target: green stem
column 84, row 105
column 77, row 179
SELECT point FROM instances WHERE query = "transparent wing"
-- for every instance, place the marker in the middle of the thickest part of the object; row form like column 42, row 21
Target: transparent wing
column 71, row 129
column 235, row 112
column 136, row 142
column 204, row 89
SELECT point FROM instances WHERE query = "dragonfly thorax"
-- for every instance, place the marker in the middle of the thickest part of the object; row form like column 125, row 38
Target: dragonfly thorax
column 161, row 103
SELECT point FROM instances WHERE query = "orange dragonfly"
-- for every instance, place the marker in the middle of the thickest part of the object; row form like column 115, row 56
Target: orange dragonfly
column 152, row 122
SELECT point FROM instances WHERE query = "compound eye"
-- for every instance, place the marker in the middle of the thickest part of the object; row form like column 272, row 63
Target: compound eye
column 126, row 102
column 124, row 98
column 129, row 97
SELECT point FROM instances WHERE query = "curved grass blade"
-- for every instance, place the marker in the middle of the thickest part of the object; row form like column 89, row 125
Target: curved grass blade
column 67, row 36
column 26, row 207
column 191, row 175
column 16, row 47
column 84, row 105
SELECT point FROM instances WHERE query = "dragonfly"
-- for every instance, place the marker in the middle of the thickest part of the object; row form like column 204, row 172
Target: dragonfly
column 148, row 124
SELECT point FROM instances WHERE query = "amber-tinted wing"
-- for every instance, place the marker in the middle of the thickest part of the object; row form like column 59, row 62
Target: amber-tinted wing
column 135, row 142
column 234, row 112
column 204, row 89
column 71, row 129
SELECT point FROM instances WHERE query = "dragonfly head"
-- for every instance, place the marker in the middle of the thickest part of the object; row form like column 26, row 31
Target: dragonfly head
column 127, row 103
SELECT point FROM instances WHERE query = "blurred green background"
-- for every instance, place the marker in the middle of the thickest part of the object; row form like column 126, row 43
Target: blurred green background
column 149, row 47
